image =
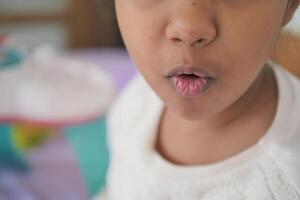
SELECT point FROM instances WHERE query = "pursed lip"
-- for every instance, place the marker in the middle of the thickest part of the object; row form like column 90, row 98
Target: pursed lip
column 189, row 70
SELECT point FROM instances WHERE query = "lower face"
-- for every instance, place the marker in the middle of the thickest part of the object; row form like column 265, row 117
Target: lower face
column 228, row 41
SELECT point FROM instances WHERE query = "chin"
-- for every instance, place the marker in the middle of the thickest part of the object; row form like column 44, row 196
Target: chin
column 189, row 112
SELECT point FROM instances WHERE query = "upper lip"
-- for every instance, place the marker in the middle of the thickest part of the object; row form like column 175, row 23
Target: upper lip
column 189, row 70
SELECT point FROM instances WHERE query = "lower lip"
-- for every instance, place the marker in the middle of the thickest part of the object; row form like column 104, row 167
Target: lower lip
column 190, row 86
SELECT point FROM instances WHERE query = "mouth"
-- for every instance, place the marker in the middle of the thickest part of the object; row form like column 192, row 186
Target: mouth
column 190, row 81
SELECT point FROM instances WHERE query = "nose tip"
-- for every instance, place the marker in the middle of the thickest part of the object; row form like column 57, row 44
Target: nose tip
column 191, row 31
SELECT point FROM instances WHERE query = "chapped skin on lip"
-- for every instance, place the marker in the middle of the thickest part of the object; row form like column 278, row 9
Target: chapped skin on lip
column 190, row 85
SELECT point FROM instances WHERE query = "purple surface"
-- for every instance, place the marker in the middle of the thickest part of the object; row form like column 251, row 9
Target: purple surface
column 55, row 173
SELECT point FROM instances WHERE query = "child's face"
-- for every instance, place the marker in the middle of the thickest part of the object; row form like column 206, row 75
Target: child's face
column 229, row 40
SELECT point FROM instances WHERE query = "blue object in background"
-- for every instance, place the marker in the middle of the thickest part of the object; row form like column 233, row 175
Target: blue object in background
column 10, row 156
column 9, row 57
column 90, row 146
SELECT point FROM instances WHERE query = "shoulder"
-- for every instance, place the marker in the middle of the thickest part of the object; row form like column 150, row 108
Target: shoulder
column 286, row 155
column 286, row 150
column 286, row 79
column 289, row 98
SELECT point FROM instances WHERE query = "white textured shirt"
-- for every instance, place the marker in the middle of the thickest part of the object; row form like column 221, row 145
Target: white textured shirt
column 268, row 170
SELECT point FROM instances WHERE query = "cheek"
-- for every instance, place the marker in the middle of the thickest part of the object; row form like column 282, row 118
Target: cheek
column 143, row 42
column 251, row 38
column 246, row 44
column 242, row 49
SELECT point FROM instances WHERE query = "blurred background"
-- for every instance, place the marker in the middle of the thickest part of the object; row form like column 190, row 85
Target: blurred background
column 61, row 23
column 69, row 162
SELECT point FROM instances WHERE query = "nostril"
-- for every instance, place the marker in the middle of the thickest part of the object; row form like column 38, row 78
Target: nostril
column 176, row 40
column 191, row 43
column 199, row 41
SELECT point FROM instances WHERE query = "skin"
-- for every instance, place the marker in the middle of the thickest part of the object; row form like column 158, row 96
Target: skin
column 231, row 40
